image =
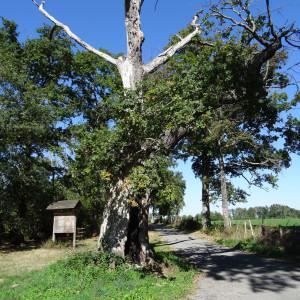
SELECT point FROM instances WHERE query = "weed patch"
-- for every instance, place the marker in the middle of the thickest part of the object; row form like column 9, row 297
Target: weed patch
column 238, row 239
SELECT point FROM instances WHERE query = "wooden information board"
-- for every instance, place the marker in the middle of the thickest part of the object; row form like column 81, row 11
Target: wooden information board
column 64, row 217
column 64, row 224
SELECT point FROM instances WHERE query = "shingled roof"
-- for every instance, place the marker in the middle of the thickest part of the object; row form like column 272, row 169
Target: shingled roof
column 65, row 204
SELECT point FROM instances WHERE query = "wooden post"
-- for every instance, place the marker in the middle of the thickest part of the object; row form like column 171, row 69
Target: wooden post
column 281, row 232
column 250, row 224
column 53, row 233
column 245, row 225
column 237, row 228
column 263, row 230
column 74, row 235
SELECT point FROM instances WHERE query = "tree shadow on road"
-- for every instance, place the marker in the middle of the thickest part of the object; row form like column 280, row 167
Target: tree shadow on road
column 226, row 264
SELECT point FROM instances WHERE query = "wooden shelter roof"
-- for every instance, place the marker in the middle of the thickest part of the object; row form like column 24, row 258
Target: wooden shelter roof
column 65, row 204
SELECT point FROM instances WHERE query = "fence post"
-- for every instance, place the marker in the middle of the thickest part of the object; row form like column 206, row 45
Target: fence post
column 245, row 225
column 250, row 224
column 263, row 230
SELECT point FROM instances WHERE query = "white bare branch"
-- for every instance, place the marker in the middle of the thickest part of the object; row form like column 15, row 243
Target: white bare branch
column 167, row 54
column 73, row 36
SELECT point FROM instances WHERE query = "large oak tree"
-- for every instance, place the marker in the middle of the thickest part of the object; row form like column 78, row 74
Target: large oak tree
column 116, row 233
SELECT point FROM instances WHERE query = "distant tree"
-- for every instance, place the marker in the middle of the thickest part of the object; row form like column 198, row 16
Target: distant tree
column 273, row 211
column 216, row 216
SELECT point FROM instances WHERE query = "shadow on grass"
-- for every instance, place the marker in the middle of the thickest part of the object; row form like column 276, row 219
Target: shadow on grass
column 7, row 247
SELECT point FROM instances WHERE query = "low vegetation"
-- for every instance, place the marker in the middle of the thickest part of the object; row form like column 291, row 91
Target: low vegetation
column 252, row 245
column 239, row 239
column 245, row 239
column 92, row 275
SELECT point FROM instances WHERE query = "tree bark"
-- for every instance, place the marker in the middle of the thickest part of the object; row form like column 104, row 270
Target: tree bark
column 137, row 245
column 224, row 193
column 124, row 230
column 114, row 228
column 131, row 66
column 206, row 221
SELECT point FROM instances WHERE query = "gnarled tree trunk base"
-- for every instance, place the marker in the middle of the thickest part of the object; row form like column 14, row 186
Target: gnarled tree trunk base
column 113, row 231
column 124, row 230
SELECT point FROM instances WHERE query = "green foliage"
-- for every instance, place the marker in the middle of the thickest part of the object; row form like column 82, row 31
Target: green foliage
column 34, row 101
column 45, row 88
column 189, row 223
column 239, row 117
column 235, row 195
column 98, row 276
column 274, row 211
column 252, row 245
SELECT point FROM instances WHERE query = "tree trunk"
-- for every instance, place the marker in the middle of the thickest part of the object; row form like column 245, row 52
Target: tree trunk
column 124, row 230
column 114, row 228
column 131, row 66
column 137, row 245
column 224, row 194
column 206, row 221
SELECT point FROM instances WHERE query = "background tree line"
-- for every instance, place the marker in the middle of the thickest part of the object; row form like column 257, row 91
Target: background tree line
column 265, row 212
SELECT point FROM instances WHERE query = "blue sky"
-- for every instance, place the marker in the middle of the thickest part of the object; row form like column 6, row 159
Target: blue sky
column 101, row 23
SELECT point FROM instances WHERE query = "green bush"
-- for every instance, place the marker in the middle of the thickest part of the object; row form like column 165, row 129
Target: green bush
column 189, row 223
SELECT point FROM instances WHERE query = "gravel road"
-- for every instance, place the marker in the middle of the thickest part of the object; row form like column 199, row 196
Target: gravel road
column 234, row 275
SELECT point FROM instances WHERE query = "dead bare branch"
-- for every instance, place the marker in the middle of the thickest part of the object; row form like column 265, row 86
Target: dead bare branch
column 73, row 36
column 167, row 54
column 271, row 26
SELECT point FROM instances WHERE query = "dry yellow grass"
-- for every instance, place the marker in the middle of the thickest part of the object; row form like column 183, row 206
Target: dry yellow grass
column 17, row 262
column 202, row 235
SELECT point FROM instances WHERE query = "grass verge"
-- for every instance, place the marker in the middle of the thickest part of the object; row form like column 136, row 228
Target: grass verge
column 90, row 275
column 252, row 245
column 237, row 239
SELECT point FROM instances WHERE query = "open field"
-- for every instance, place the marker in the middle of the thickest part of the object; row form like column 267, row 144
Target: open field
column 288, row 222
column 91, row 275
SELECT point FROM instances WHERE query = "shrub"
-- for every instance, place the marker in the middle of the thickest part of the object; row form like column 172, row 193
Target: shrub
column 189, row 223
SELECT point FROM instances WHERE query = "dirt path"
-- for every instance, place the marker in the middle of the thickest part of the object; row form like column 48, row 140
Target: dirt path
column 234, row 275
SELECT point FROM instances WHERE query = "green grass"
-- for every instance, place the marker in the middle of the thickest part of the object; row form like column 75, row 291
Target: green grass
column 288, row 222
column 90, row 275
column 237, row 238
column 252, row 245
